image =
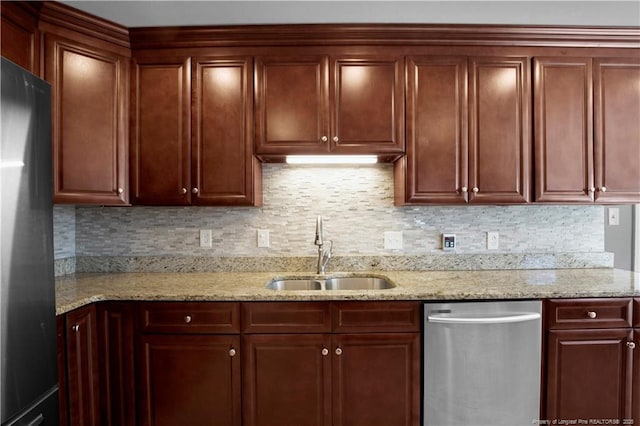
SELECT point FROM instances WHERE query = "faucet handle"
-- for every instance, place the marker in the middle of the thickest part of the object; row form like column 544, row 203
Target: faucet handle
column 327, row 254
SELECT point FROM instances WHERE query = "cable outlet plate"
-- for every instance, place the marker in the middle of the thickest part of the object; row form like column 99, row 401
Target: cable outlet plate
column 205, row 238
column 393, row 240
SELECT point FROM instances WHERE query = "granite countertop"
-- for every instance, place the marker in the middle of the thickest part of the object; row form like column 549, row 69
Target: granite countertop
column 74, row 291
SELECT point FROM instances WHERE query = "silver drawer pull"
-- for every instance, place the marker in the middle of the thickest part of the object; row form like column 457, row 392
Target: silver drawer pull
column 325, row 351
column 338, row 351
column 592, row 314
column 631, row 345
column 75, row 328
column 232, row 352
column 187, row 319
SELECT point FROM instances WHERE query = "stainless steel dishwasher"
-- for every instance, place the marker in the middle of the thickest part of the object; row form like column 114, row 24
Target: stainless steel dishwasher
column 482, row 363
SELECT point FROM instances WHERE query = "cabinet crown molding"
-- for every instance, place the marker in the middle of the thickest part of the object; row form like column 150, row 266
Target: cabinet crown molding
column 384, row 34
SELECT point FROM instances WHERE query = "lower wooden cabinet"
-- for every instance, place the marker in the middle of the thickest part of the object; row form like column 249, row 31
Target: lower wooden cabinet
column 96, row 367
column 592, row 361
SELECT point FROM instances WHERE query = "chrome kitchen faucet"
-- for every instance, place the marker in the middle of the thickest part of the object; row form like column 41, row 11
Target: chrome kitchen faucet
column 323, row 255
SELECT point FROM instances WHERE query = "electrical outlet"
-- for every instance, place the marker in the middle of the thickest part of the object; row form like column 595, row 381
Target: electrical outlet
column 448, row 242
column 493, row 240
column 263, row 238
column 205, row 238
column 614, row 216
column 393, row 240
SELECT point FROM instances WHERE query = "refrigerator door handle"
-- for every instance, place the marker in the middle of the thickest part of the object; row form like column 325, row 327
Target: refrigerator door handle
column 37, row 421
column 502, row 319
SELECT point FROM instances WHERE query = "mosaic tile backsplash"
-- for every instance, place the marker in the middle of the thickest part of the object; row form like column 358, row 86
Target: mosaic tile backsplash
column 357, row 206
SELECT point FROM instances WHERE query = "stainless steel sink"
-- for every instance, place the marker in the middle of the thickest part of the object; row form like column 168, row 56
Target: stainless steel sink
column 295, row 284
column 358, row 283
column 331, row 283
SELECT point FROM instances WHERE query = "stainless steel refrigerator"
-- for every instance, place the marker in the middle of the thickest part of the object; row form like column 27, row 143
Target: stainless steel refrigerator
column 29, row 382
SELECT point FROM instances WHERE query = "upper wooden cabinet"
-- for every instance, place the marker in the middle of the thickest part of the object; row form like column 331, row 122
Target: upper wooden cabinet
column 20, row 38
column 587, row 135
column 161, row 130
column 192, row 132
column 467, row 131
column 89, row 106
column 329, row 104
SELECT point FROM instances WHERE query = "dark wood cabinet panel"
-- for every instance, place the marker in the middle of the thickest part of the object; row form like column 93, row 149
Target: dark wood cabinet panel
column 286, row 317
column 589, row 374
column 89, row 107
column 563, row 130
column 82, row 367
column 20, row 37
column 588, row 313
column 189, row 380
column 161, row 131
column 375, row 317
column 367, row 96
column 287, row 380
column 635, row 393
column 617, row 130
column 376, row 379
column 435, row 167
column 499, row 130
column 292, row 98
column 189, row 317
column 224, row 169
column 636, row 312
column 116, row 363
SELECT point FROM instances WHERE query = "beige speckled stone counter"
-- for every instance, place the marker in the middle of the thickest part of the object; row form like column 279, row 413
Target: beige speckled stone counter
column 73, row 291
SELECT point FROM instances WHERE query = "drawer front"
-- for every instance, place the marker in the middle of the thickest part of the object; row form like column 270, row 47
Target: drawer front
column 286, row 317
column 588, row 313
column 375, row 317
column 189, row 317
column 636, row 312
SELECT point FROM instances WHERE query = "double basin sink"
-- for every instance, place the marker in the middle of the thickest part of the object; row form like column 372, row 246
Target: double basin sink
column 331, row 283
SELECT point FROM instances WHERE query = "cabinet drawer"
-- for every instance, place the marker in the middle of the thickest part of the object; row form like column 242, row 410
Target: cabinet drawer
column 286, row 317
column 588, row 313
column 636, row 312
column 350, row 317
column 189, row 317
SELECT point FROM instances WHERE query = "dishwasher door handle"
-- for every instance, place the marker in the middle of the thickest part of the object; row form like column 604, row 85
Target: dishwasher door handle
column 502, row 319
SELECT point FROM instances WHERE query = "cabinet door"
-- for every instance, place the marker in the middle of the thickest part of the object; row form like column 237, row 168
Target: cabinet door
column 89, row 106
column 161, row 131
column 115, row 351
column 82, row 367
column 563, row 129
column 499, row 130
column 189, row 380
column 617, row 129
column 224, row 169
column 20, row 37
column 436, row 160
column 589, row 374
column 292, row 98
column 286, row 380
column 367, row 100
column 376, row 379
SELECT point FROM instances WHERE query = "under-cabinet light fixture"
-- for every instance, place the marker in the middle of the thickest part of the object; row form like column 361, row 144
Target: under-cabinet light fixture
column 331, row 159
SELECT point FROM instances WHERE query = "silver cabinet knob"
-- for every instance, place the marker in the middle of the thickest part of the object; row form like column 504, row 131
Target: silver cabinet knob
column 338, row 351
column 475, row 189
column 75, row 328
column 592, row 314
column 120, row 190
column 603, row 189
column 324, row 139
column 194, row 190
column 187, row 319
column 232, row 352
column 464, row 189
column 631, row 345
column 335, row 139
column 592, row 189
column 325, row 351
column 183, row 190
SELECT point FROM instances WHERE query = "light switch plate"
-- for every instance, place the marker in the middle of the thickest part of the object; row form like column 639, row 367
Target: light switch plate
column 614, row 216
column 393, row 240
column 493, row 240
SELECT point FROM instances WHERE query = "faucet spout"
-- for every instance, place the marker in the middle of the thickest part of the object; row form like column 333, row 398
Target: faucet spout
column 323, row 255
